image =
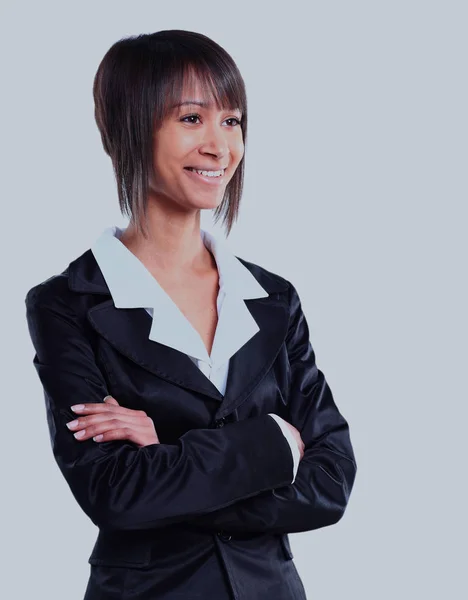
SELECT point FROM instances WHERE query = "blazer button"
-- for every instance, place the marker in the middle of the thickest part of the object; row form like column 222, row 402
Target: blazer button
column 220, row 422
column 225, row 537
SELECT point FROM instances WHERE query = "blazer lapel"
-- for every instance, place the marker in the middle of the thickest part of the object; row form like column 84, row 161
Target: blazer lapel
column 127, row 330
column 251, row 362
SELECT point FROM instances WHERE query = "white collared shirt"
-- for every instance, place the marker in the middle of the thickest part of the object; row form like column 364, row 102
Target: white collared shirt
column 235, row 327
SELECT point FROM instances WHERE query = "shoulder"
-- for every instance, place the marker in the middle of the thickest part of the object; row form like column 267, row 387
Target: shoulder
column 79, row 284
column 57, row 291
column 52, row 289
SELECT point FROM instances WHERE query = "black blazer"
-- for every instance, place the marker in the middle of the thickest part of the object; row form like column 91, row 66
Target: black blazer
column 207, row 511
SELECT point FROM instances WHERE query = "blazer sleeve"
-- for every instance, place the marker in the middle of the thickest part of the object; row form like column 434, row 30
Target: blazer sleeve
column 120, row 486
column 325, row 477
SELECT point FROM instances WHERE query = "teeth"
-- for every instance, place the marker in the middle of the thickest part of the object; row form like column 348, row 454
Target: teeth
column 208, row 173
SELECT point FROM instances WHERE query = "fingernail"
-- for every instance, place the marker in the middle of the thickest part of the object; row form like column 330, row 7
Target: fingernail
column 77, row 407
column 105, row 398
column 72, row 424
column 80, row 434
column 98, row 438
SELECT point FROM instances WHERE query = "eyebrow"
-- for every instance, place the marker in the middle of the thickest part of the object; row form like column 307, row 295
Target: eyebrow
column 197, row 102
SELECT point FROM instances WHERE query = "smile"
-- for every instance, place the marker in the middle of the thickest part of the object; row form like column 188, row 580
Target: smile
column 209, row 177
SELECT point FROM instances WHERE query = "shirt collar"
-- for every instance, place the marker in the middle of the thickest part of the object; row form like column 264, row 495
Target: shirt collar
column 118, row 264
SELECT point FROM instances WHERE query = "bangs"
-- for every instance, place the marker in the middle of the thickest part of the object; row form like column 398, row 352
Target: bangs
column 217, row 86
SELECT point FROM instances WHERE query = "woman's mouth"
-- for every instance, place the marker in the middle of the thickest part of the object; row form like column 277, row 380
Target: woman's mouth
column 209, row 177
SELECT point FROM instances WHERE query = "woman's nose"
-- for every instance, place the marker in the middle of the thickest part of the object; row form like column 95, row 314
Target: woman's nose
column 215, row 141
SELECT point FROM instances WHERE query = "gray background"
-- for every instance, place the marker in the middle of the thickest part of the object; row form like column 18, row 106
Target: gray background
column 356, row 191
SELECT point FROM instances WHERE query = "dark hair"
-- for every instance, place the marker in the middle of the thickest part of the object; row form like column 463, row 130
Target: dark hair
column 137, row 82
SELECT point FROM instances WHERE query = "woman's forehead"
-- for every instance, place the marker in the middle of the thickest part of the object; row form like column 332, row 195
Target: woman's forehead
column 196, row 93
column 196, row 90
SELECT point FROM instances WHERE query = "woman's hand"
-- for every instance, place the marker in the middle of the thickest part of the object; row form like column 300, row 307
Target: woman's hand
column 297, row 437
column 109, row 421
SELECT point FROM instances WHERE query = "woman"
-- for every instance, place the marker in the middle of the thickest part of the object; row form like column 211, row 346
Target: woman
column 185, row 407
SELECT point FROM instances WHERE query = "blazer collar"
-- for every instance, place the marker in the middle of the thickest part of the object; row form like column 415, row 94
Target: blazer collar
column 133, row 286
column 127, row 330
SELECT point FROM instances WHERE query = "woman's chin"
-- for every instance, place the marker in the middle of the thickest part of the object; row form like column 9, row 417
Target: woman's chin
column 206, row 203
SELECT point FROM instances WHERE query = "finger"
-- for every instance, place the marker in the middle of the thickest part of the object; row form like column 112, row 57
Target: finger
column 104, row 427
column 85, row 422
column 103, row 407
column 111, row 400
column 117, row 434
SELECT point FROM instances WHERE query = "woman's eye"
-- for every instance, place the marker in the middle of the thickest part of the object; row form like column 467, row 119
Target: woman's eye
column 198, row 117
column 190, row 117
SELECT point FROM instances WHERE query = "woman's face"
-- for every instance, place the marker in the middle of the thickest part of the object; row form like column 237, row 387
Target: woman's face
column 201, row 137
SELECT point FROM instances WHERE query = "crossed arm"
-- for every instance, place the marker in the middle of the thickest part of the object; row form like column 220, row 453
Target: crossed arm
column 121, row 486
column 322, row 487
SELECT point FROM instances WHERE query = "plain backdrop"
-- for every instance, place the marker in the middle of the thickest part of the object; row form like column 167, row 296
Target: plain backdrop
column 355, row 190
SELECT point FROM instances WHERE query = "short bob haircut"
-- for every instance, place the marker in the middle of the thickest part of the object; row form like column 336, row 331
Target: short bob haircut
column 137, row 82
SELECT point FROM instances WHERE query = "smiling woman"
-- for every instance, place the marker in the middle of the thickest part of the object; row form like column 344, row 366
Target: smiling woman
column 185, row 407
column 207, row 147
column 145, row 91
